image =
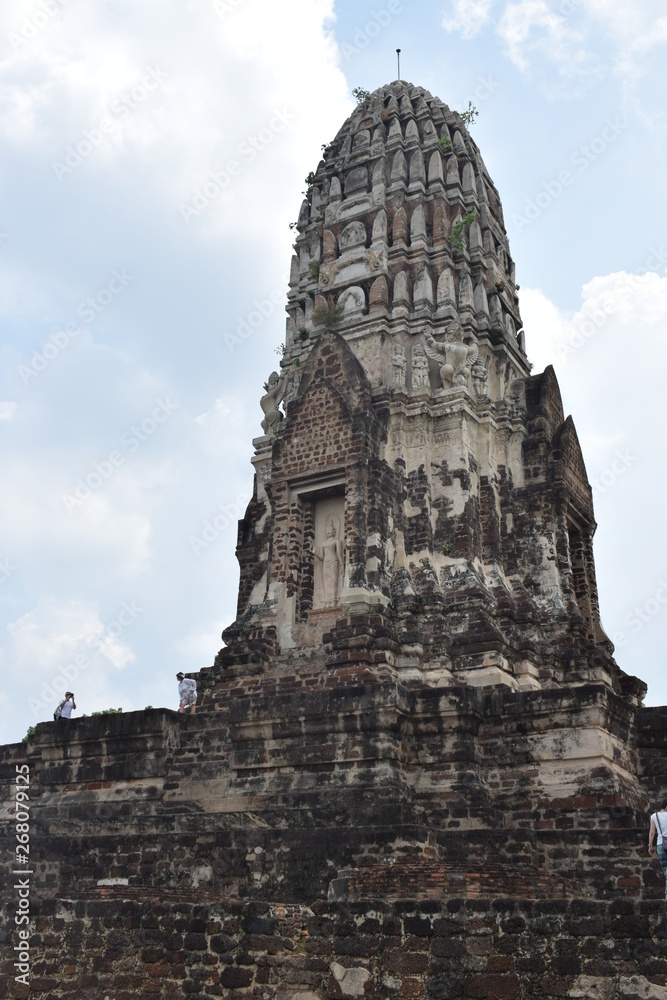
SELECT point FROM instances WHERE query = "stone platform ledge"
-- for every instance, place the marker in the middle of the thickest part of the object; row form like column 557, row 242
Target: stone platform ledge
column 66, row 905
column 145, row 894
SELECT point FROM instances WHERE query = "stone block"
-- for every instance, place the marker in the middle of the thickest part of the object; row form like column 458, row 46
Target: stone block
column 405, row 963
column 419, row 926
column 444, row 988
column 233, row 977
column 448, row 947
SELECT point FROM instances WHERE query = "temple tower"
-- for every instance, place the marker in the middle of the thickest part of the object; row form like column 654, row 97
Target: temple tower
column 419, row 471
column 416, row 704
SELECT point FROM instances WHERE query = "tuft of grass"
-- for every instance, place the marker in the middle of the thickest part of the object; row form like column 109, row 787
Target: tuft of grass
column 104, row 711
column 455, row 238
column 328, row 315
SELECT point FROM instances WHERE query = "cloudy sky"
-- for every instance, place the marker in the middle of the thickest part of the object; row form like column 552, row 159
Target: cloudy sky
column 153, row 156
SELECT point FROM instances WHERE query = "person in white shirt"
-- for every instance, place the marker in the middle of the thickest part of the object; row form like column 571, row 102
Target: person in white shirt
column 187, row 692
column 658, row 825
column 66, row 705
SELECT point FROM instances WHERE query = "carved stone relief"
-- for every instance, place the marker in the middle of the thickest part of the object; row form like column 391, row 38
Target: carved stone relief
column 328, row 552
column 292, row 387
column 420, row 378
column 353, row 235
column 353, row 300
column 480, row 376
column 355, row 261
column 454, row 358
column 398, row 365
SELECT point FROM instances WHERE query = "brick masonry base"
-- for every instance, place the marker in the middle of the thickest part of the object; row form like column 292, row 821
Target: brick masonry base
column 498, row 949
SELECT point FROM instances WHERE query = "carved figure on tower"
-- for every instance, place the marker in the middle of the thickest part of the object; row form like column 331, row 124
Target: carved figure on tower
column 274, row 391
column 398, row 363
column 480, row 376
column 419, row 367
column 454, row 358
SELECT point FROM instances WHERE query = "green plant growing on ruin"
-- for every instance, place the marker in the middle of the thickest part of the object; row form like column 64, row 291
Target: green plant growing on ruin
column 320, row 214
column 296, row 363
column 280, row 350
column 447, row 548
column 444, row 145
column 310, row 179
column 314, row 269
column 455, row 238
column 293, row 225
column 31, row 732
column 104, row 711
column 360, row 95
column 328, row 315
column 469, row 115
column 303, row 333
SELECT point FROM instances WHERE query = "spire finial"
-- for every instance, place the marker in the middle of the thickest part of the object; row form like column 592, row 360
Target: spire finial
column 398, row 59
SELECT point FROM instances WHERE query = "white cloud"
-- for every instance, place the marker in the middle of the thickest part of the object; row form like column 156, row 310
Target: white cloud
column 125, row 543
column 63, row 645
column 468, row 17
column 641, row 24
column 530, row 27
column 578, row 37
column 7, row 409
column 206, row 104
column 200, row 647
column 221, row 424
column 108, row 525
column 617, row 309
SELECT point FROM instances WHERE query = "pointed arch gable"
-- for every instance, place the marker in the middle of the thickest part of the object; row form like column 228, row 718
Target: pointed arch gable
column 544, row 402
column 322, row 430
column 570, row 468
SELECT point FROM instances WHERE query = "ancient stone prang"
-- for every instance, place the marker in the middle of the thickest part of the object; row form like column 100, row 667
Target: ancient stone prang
column 466, row 511
column 416, row 769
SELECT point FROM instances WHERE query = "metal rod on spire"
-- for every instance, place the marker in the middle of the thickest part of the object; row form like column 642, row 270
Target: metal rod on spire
column 398, row 58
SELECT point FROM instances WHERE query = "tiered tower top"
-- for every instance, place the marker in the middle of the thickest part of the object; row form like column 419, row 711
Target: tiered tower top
column 402, row 223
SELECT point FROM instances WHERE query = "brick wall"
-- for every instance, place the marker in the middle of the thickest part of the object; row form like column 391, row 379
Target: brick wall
column 484, row 948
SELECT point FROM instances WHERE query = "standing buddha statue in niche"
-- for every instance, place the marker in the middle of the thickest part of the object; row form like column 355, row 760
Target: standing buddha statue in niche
column 330, row 557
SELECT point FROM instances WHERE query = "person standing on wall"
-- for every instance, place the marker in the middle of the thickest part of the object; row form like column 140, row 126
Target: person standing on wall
column 187, row 692
column 64, row 710
column 659, row 825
